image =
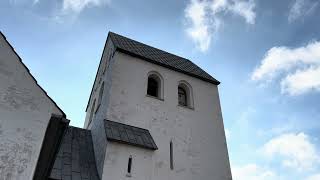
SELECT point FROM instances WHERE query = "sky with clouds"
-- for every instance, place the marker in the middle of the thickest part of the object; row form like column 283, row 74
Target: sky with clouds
column 265, row 53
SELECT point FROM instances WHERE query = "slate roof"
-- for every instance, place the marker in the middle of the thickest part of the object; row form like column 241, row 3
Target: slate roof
column 75, row 159
column 160, row 57
column 127, row 134
column 156, row 56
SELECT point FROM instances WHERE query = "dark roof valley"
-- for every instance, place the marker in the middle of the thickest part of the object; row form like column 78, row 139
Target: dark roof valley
column 75, row 159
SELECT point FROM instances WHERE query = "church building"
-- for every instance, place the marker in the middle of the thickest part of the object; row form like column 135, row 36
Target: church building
column 151, row 115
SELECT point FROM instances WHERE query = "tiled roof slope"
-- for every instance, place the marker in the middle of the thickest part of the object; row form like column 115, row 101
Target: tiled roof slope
column 127, row 134
column 75, row 160
column 160, row 57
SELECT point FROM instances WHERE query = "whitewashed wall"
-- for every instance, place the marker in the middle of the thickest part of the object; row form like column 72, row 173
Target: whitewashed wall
column 97, row 124
column 25, row 111
column 200, row 150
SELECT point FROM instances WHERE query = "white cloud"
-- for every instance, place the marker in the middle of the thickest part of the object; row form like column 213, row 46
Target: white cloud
column 252, row 172
column 201, row 30
column 296, row 151
column 302, row 81
column 313, row 177
column 301, row 8
column 72, row 6
column 304, row 60
column 78, row 5
column 205, row 18
column 245, row 9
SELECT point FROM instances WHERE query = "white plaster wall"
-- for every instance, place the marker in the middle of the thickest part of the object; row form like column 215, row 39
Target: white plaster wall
column 116, row 162
column 25, row 111
column 97, row 124
column 101, row 77
column 200, row 151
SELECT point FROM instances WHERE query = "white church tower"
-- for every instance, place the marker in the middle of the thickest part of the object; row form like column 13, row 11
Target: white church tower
column 155, row 116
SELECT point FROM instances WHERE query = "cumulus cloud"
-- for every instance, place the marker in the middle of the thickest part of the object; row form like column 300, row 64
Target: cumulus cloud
column 204, row 18
column 78, row 5
column 301, row 67
column 302, row 81
column 244, row 9
column 252, row 172
column 295, row 150
column 301, row 8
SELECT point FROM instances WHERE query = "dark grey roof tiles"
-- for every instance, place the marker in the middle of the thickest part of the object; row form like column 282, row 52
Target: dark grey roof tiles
column 75, row 159
column 160, row 57
column 129, row 135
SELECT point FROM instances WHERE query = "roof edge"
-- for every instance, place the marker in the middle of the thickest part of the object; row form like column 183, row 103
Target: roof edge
column 55, row 104
column 104, row 47
column 129, row 143
column 215, row 82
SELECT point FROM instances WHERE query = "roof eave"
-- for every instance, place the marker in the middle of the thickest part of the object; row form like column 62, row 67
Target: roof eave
column 214, row 81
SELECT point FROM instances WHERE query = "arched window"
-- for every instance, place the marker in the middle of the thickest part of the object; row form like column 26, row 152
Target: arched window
column 100, row 94
column 154, row 87
column 92, row 112
column 182, row 95
column 185, row 96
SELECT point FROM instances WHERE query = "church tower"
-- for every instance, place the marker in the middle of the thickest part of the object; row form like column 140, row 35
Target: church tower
column 155, row 116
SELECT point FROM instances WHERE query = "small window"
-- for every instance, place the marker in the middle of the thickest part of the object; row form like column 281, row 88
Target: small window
column 91, row 112
column 171, row 155
column 185, row 95
column 153, row 87
column 182, row 95
column 105, row 66
column 100, row 95
column 129, row 166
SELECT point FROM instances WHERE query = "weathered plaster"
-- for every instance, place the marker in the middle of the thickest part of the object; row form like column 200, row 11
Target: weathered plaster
column 25, row 112
column 97, row 123
column 200, row 150
column 197, row 133
column 118, row 155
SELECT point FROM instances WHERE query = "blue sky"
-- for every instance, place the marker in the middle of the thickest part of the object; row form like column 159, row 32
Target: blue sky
column 265, row 53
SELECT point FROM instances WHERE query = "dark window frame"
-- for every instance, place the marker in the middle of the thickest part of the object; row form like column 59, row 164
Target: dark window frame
column 92, row 112
column 182, row 101
column 153, row 87
column 129, row 165
column 100, row 95
column 171, row 155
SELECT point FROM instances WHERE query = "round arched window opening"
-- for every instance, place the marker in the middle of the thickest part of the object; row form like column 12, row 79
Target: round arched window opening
column 154, row 87
column 185, row 95
column 182, row 96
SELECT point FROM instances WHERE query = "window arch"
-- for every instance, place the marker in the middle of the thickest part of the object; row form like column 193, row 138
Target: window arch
column 155, row 85
column 185, row 95
column 92, row 111
column 182, row 96
column 100, row 94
